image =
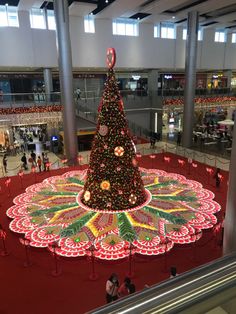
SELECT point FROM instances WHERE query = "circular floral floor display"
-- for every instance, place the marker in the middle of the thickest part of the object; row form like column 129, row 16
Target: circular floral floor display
column 175, row 211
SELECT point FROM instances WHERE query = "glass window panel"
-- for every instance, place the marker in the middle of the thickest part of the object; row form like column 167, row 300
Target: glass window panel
column 167, row 30
column 155, row 31
column 184, row 34
column 51, row 20
column 125, row 27
column 129, row 31
column 3, row 15
column 12, row 16
column 120, row 28
column 37, row 19
column 234, row 38
column 170, row 33
column 89, row 25
column 220, row 36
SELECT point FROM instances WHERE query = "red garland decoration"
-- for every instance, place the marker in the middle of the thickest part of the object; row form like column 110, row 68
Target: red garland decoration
column 201, row 100
column 39, row 109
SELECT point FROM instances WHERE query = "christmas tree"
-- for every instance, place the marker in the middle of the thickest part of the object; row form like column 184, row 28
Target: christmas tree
column 113, row 179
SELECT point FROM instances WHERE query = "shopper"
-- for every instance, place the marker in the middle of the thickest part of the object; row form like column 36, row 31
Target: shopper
column 112, row 286
column 44, row 161
column 173, row 272
column 126, row 288
column 39, row 163
column 179, row 137
column 78, row 92
column 4, row 162
column 24, row 161
column 217, row 176
column 33, row 156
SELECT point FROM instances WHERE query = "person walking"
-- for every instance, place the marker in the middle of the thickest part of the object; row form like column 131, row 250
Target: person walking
column 179, row 136
column 47, row 164
column 112, row 286
column 24, row 161
column 44, row 161
column 4, row 162
column 39, row 163
column 78, row 92
column 33, row 156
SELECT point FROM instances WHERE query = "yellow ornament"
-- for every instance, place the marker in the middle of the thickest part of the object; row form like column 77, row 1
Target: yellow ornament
column 132, row 199
column 105, row 185
column 119, row 151
column 87, row 196
column 156, row 181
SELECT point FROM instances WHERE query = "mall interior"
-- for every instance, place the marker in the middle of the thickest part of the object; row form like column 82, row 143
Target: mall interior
column 117, row 156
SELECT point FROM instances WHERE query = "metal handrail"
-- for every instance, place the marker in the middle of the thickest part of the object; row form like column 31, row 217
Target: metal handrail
column 180, row 293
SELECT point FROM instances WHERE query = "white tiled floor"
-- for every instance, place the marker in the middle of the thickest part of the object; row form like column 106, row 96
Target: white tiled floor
column 14, row 162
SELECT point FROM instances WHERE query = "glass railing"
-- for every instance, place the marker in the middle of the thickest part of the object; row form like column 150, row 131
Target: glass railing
column 91, row 115
column 196, row 291
column 40, row 98
column 28, row 99
column 198, row 92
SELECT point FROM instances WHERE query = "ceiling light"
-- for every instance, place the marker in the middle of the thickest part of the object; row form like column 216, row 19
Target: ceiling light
column 173, row 17
column 138, row 18
column 106, row 1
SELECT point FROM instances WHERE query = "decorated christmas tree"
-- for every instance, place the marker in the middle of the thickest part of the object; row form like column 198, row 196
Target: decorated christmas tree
column 113, row 179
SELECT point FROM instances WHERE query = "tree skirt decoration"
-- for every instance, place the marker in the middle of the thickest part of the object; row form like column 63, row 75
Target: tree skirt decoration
column 175, row 211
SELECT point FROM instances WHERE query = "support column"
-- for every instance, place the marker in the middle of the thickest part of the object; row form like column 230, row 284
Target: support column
column 156, row 103
column 229, row 243
column 47, row 75
column 190, row 78
column 66, row 80
column 229, row 75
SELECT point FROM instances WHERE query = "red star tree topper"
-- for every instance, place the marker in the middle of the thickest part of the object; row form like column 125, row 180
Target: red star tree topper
column 113, row 178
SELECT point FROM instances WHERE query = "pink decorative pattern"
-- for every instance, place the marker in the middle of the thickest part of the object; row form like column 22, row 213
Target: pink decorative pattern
column 175, row 211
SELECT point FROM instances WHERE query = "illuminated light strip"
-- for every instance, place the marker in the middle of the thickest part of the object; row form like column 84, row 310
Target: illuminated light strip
column 58, row 213
column 137, row 224
column 173, row 290
column 69, row 184
column 167, row 210
column 56, row 196
column 90, row 225
column 172, row 194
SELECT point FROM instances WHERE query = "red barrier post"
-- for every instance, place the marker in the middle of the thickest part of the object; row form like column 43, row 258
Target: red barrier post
column 26, row 243
column 93, row 275
column 57, row 271
column 3, row 235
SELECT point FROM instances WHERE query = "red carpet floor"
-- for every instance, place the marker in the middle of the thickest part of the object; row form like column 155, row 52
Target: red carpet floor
column 33, row 290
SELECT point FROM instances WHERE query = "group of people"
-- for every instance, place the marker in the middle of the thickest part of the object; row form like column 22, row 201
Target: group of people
column 114, row 290
column 44, row 161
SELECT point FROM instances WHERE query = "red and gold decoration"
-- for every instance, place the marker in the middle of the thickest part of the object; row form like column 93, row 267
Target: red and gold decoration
column 103, row 130
column 223, row 100
column 33, row 109
column 105, row 185
column 113, row 173
column 113, row 205
column 111, row 57
column 119, row 151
